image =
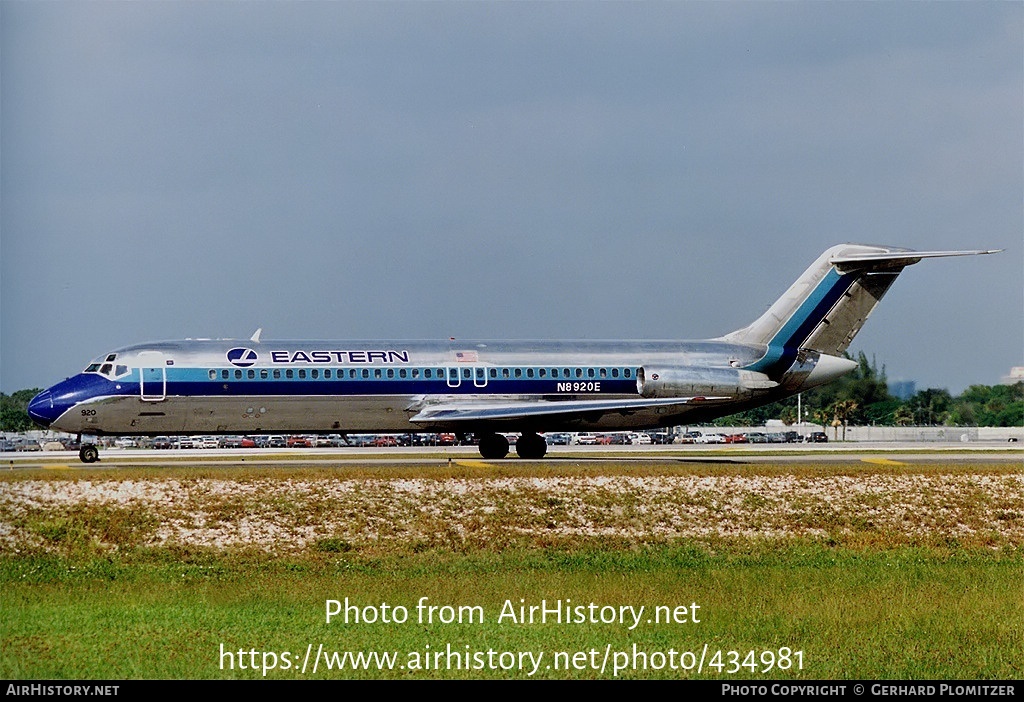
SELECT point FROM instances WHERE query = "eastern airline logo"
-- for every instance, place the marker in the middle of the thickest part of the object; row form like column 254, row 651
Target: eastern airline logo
column 241, row 357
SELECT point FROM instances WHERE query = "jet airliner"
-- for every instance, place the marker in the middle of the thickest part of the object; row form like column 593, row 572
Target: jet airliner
column 484, row 387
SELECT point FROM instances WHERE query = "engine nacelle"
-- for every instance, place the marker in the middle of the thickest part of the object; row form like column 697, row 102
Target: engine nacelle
column 700, row 382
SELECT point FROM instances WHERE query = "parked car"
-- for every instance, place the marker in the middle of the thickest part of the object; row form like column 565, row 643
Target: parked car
column 161, row 442
column 757, row 437
column 385, row 440
column 584, row 439
column 640, row 439
column 299, row 442
column 662, row 437
column 558, row 439
column 690, row 437
column 817, row 437
column 711, row 439
column 736, row 439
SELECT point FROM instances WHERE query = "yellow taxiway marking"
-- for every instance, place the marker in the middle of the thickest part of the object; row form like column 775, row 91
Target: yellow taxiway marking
column 55, row 466
column 883, row 462
column 473, row 464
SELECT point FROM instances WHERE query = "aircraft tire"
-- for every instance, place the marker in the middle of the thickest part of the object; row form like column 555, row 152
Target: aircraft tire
column 531, row 446
column 493, row 446
column 88, row 454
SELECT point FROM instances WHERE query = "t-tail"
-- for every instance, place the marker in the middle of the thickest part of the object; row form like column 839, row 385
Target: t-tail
column 807, row 330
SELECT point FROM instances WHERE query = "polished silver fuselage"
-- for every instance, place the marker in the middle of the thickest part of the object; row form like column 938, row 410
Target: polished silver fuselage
column 194, row 386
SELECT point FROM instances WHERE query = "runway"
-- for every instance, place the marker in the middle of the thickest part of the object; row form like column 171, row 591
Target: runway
column 880, row 453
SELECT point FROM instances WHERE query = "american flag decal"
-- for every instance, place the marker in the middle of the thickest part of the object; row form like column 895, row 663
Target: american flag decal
column 466, row 356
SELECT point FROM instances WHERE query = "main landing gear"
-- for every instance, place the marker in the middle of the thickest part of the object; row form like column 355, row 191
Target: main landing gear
column 88, row 453
column 529, row 445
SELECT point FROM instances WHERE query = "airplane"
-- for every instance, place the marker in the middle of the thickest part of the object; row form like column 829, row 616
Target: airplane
column 484, row 387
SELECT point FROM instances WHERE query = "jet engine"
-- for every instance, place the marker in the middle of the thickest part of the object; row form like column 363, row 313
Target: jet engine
column 700, row 382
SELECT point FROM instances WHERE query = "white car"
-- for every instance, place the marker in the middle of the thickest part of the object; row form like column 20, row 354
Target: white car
column 585, row 439
column 640, row 439
column 710, row 439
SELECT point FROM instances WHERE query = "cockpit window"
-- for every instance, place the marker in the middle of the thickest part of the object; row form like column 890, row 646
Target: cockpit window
column 111, row 358
column 108, row 369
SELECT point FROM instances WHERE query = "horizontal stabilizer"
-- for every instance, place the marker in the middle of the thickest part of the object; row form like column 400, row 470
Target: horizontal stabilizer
column 897, row 257
column 521, row 409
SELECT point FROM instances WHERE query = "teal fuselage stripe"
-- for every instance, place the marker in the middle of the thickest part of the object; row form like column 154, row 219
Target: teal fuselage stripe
column 783, row 347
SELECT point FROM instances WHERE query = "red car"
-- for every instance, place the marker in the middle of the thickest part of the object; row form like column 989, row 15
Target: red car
column 736, row 439
column 299, row 442
column 385, row 441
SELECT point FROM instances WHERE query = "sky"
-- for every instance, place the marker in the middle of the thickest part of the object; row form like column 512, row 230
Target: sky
column 505, row 170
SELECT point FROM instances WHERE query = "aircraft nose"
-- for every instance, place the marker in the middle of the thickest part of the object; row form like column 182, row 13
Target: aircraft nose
column 42, row 410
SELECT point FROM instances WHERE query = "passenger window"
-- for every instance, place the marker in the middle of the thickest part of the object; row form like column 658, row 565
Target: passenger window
column 519, row 372
column 213, row 375
column 238, row 375
column 494, row 373
column 529, row 372
column 604, row 372
column 224, row 374
column 543, row 372
column 625, row 373
column 579, row 372
column 504, row 373
column 251, row 374
column 327, row 373
column 590, row 372
column 302, row 374
column 366, row 372
column 289, row 374
column 376, row 373
column 314, row 374
column 263, row 374
column 277, row 374
column 401, row 373
column 391, row 372
column 615, row 372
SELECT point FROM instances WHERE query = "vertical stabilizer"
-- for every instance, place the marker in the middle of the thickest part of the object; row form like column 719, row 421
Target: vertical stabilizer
column 827, row 305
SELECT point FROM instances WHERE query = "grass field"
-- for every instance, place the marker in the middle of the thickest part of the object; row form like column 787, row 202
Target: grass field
column 771, row 571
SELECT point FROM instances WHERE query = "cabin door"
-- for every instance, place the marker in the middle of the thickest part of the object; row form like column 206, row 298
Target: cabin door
column 153, row 376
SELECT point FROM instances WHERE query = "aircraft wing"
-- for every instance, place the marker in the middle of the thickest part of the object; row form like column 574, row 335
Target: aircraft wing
column 466, row 412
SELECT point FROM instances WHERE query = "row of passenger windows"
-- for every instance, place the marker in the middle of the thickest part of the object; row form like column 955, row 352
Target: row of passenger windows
column 452, row 374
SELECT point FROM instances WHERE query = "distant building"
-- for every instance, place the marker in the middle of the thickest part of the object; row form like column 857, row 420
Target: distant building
column 1016, row 376
column 903, row 389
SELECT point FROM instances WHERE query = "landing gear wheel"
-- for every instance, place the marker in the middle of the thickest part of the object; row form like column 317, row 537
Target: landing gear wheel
column 88, row 453
column 531, row 446
column 493, row 446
